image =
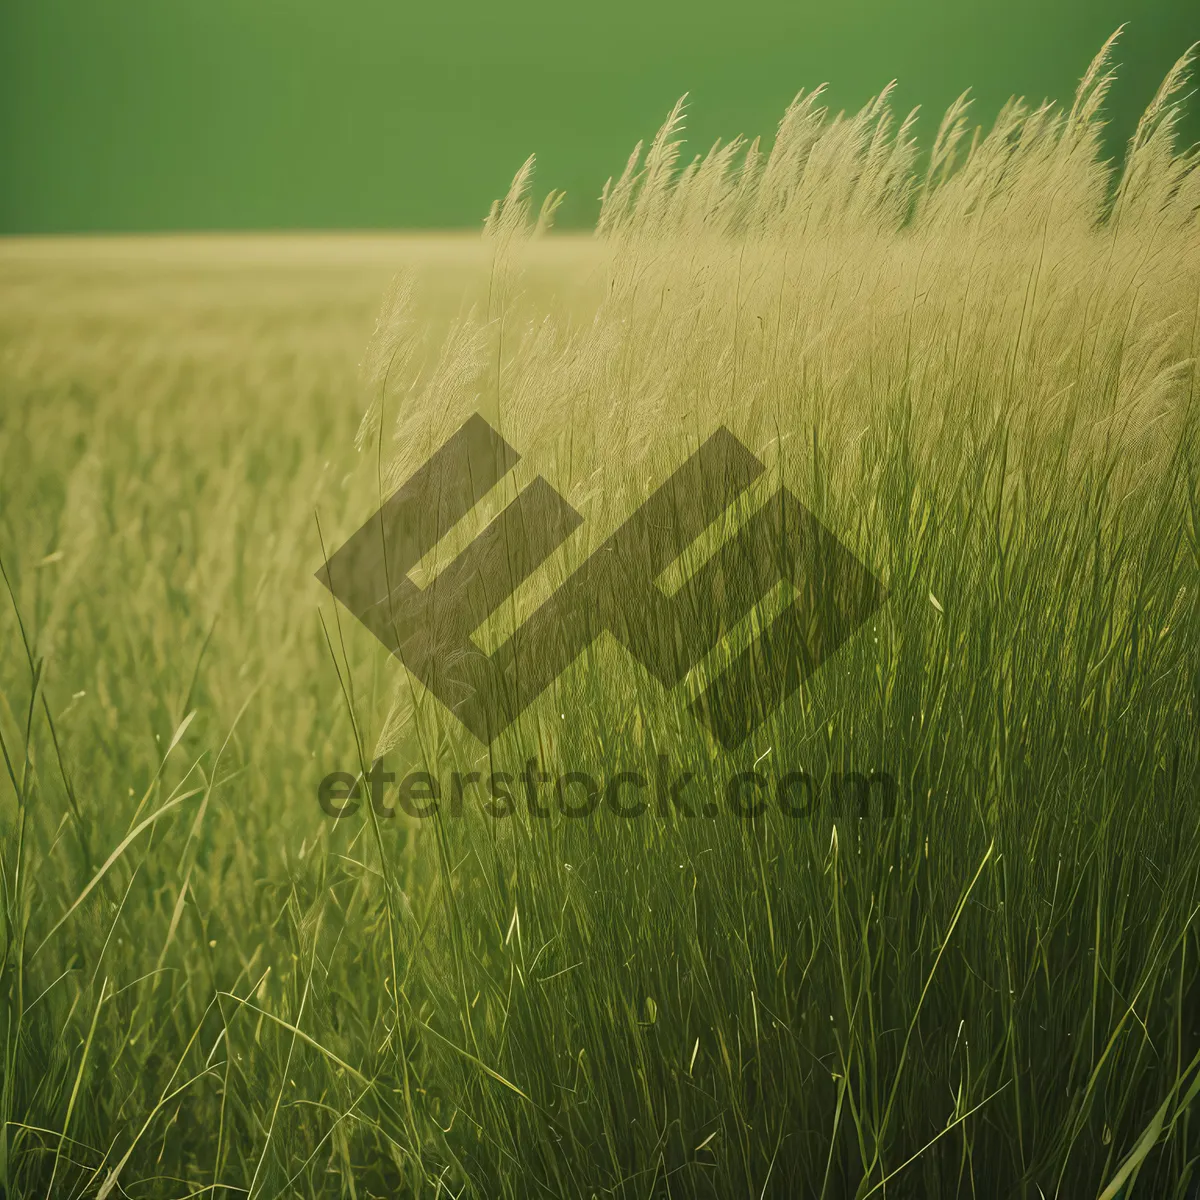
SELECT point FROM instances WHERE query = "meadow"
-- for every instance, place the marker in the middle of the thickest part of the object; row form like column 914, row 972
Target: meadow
column 975, row 365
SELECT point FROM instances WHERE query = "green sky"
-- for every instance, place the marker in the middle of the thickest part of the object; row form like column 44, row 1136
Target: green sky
column 264, row 114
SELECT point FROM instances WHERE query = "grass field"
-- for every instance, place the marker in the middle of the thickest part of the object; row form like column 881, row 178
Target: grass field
column 978, row 371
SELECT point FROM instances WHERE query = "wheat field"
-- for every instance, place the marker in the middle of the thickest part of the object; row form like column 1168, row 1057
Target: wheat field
column 974, row 363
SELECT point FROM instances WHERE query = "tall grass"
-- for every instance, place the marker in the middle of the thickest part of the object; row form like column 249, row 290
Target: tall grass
column 979, row 373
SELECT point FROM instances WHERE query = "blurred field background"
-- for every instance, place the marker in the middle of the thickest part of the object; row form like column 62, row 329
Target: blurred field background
column 368, row 114
column 974, row 360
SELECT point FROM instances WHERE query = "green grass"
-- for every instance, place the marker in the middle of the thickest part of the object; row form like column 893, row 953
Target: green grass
column 983, row 381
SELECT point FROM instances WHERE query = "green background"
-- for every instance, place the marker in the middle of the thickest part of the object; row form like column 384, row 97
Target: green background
column 266, row 114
